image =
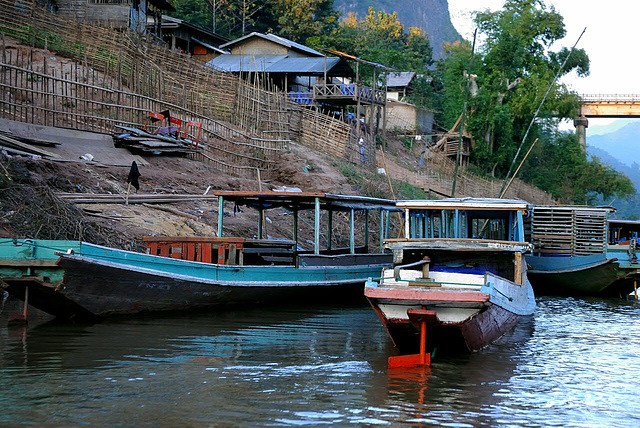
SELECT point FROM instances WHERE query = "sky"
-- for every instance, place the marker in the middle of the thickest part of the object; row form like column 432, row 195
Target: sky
column 610, row 41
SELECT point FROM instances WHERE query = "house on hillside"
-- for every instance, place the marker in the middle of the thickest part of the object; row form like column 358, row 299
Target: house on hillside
column 307, row 75
column 116, row 13
column 398, row 84
column 330, row 80
column 291, row 67
column 269, row 44
column 408, row 118
column 181, row 35
column 404, row 116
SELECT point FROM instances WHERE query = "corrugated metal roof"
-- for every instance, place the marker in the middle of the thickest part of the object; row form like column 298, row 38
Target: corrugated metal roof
column 302, row 65
column 272, row 64
column 238, row 63
column 276, row 39
column 400, row 79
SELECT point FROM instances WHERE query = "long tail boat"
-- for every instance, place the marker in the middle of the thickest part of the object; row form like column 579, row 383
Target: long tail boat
column 74, row 280
column 570, row 255
column 458, row 279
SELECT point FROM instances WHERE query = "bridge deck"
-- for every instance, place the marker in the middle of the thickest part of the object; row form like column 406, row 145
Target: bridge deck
column 610, row 105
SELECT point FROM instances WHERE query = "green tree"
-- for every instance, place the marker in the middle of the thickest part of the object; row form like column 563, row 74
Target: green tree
column 301, row 19
column 512, row 70
column 380, row 37
column 560, row 166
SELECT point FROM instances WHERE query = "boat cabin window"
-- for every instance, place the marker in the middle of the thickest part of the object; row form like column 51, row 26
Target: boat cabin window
column 623, row 232
column 504, row 225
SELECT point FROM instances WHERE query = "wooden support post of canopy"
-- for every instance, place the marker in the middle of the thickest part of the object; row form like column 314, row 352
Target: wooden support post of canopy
column 518, row 268
column 329, row 229
column 352, row 238
column 295, row 226
column 220, row 215
column 316, row 228
column 382, row 230
column 366, row 230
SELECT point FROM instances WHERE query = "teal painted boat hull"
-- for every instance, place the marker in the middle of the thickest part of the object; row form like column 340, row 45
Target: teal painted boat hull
column 572, row 276
column 100, row 281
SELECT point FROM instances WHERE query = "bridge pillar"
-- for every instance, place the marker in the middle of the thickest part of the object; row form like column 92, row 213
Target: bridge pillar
column 581, row 123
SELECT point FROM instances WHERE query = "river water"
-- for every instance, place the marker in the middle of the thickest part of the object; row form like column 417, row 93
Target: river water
column 575, row 363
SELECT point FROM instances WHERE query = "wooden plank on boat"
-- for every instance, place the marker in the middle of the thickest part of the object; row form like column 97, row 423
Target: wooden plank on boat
column 29, row 263
column 424, row 295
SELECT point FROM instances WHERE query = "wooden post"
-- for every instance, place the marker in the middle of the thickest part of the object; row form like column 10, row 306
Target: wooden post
column 520, row 227
column 126, row 198
column 381, row 230
column 366, row 230
column 518, row 268
column 357, row 99
column 25, row 308
column 407, row 231
column 425, row 268
column 352, row 237
column 260, row 220
column 316, row 229
column 456, row 225
column 220, row 215
column 386, row 224
column 295, row 226
column 330, row 229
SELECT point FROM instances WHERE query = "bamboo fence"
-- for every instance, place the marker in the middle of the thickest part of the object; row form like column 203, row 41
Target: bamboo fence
column 115, row 77
column 247, row 122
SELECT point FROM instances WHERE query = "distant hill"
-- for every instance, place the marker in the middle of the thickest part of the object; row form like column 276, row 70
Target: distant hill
column 623, row 144
column 431, row 15
column 628, row 208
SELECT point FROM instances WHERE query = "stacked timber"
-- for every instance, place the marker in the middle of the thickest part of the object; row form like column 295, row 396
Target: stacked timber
column 141, row 142
column 136, row 198
column 23, row 147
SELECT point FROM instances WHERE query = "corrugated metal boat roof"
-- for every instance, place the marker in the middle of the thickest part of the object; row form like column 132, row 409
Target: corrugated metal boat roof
column 306, row 200
column 467, row 203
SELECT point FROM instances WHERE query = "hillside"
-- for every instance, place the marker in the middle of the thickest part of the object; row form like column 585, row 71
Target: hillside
column 431, row 15
column 623, row 144
column 627, row 208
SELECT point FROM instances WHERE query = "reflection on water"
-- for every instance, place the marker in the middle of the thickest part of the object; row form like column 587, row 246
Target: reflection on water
column 574, row 363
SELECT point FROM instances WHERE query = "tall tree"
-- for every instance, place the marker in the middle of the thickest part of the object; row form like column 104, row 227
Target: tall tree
column 379, row 37
column 512, row 70
column 301, row 19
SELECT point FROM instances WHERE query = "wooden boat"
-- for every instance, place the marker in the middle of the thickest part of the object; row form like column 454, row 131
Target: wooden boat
column 80, row 280
column 570, row 254
column 624, row 236
column 459, row 279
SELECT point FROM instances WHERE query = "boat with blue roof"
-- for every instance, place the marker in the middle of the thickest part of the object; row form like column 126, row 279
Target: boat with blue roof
column 79, row 280
column 458, row 281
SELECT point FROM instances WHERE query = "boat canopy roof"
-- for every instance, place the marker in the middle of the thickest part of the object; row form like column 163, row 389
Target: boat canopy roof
column 306, row 200
column 467, row 204
column 579, row 207
column 616, row 222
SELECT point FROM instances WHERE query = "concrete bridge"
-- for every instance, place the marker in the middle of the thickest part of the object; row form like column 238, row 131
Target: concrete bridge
column 607, row 106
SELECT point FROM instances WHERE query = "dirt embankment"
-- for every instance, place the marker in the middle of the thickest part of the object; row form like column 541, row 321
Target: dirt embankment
column 30, row 207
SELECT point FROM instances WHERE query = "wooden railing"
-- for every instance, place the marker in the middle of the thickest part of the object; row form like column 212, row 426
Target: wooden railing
column 350, row 91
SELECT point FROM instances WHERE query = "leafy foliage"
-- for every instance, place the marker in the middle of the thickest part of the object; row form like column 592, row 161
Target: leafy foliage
column 512, row 71
column 379, row 37
column 559, row 165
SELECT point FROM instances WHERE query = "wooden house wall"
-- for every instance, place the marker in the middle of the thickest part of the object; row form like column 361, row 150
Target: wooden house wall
column 96, row 11
column 258, row 46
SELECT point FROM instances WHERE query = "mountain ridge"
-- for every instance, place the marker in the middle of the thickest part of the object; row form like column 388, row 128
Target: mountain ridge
column 431, row 15
column 622, row 144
